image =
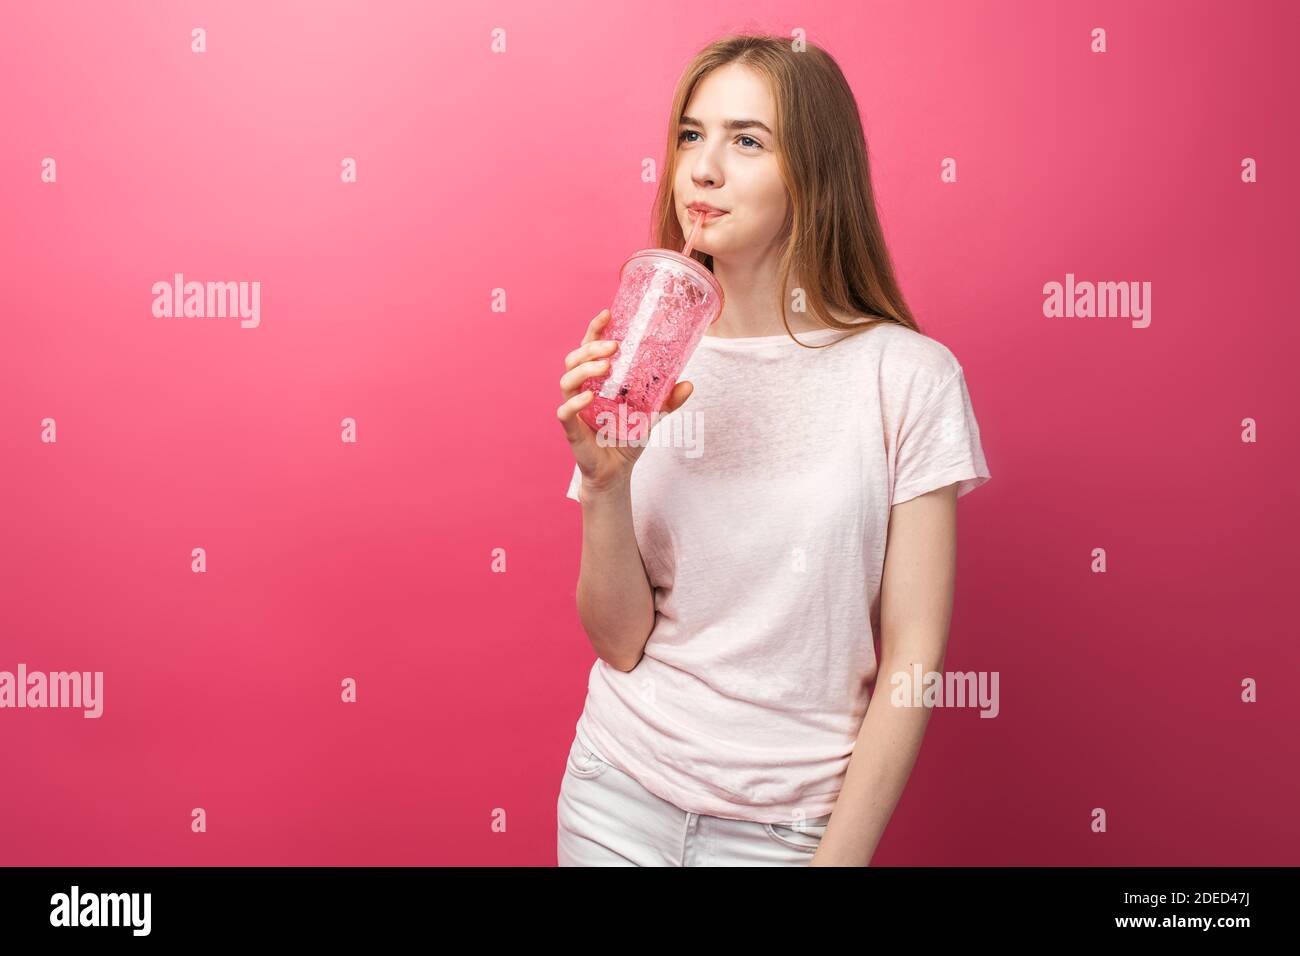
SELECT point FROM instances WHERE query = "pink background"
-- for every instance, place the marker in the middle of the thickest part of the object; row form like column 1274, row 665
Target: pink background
column 476, row 171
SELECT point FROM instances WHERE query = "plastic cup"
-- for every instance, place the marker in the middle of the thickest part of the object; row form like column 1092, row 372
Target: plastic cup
column 664, row 303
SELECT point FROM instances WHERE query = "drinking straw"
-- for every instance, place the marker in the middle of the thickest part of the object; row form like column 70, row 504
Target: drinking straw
column 695, row 231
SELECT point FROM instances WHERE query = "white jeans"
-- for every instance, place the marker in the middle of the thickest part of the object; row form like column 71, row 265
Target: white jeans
column 606, row 818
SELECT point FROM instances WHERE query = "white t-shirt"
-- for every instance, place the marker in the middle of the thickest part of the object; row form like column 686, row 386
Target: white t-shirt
column 762, row 525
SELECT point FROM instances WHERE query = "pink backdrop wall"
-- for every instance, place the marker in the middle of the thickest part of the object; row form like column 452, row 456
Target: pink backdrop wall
column 372, row 560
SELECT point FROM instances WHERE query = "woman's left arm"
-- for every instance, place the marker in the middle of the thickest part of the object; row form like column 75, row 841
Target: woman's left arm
column 915, row 610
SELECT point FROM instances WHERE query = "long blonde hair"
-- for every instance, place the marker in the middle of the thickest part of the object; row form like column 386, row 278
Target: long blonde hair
column 834, row 242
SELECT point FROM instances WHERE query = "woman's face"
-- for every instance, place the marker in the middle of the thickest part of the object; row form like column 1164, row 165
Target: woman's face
column 733, row 168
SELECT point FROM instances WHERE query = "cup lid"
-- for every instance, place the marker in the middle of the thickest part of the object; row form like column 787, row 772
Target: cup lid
column 693, row 264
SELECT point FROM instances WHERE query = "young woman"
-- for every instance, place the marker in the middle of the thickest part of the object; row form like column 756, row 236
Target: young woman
column 733, row 590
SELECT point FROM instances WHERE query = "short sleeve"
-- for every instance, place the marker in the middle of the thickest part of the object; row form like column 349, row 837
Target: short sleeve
column 575, row 484
column 940, row 445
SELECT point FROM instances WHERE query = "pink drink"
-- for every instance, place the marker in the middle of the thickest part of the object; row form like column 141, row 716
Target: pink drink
column 665, row 301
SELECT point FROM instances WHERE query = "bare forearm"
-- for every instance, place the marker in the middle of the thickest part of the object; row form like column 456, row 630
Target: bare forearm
column 615, row 600
column 883, row 757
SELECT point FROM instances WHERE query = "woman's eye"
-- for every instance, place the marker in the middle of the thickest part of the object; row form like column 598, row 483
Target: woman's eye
column 681, row 138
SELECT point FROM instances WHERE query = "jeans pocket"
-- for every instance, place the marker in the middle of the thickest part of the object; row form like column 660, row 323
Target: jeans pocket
column 803, row 835
column 584, row 762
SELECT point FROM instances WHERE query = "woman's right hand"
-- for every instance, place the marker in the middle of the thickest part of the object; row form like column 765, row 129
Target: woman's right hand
column 601, row 465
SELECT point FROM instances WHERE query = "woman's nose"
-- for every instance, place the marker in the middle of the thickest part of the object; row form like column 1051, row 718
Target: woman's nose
column 706, row 171
column 705, row 177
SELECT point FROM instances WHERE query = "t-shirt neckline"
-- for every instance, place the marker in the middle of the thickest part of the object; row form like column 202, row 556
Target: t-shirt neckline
column 812, row 335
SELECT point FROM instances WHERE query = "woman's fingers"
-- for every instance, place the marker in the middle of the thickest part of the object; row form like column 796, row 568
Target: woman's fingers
column 599, row 348
column 680, row 392
column 572, row 380
column 568, row 415
column 595, row 325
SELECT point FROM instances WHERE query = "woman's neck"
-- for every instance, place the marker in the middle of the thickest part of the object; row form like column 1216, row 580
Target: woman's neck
column 750, row 290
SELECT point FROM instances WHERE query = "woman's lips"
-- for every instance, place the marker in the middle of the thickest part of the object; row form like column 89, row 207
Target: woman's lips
column 709, row 214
